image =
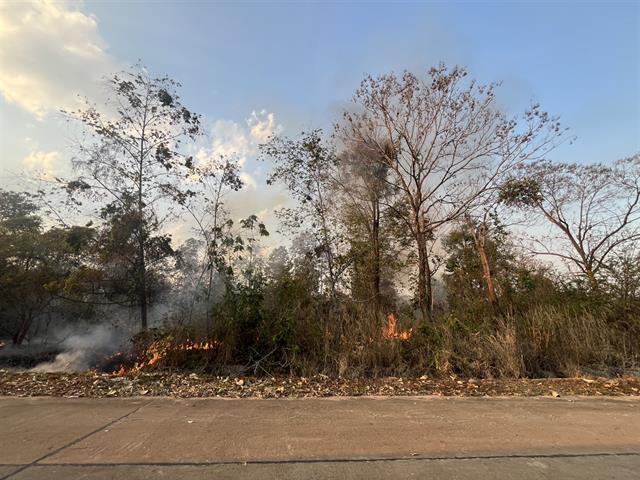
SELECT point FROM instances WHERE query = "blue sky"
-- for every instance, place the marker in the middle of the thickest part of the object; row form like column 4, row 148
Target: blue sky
column 301, row 61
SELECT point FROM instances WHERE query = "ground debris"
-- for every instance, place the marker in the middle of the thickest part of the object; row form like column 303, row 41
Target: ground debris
column 94, row 384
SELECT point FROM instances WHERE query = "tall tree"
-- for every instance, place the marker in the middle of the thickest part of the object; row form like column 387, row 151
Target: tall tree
column 594, row 210
column 306, row 167
column 364, row 192
column 477, row 248
column 224, row 242
column 517, row 282
column 445, row 142
column 217, row 179
column 134, row 158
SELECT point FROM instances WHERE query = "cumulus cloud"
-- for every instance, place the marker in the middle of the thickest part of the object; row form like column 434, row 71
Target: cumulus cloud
column 229, row 138
column 41, row 163
column 49, row 53
column 262, row 125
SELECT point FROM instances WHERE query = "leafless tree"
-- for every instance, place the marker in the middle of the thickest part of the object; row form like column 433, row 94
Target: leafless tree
column 594, row 209
column 445, row 143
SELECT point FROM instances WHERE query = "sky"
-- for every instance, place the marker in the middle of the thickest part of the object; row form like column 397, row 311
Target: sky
column 255, row 68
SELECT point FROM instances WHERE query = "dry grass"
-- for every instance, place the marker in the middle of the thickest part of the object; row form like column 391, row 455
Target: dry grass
column 348, row 342
column 545, row 342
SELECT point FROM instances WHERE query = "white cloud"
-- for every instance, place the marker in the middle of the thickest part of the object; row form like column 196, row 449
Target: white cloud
column 242, row 141
column 41, row 163
column 262, row 214
column 262, row 125
column 49, row 54
column 248, row 180
column 231, row 138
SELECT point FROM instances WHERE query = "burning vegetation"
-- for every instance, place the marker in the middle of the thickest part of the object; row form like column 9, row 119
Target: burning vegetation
column 168, row 353
column 391, row 330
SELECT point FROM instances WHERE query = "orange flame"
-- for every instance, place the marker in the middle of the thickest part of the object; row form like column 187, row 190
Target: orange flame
column 391, row 330
column 159, row 349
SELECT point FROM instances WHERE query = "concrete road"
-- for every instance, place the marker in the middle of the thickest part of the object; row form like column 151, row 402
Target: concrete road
column 359, row 438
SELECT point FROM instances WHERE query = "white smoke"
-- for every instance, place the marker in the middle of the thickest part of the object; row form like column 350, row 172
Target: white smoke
column 82, row 351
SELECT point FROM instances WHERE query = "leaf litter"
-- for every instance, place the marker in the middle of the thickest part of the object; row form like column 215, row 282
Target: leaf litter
column 169, row 384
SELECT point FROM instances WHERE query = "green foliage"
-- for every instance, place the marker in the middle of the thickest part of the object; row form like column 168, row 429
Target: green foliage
column 517, row 279
column 397, row 209
column 521, row 192
column 35, row 264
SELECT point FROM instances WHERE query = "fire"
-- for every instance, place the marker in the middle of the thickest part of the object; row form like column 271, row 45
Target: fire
column 159, row 349
column 391, row 330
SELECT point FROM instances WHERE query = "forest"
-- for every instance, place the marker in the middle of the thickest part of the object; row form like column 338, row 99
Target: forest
column 429, row 232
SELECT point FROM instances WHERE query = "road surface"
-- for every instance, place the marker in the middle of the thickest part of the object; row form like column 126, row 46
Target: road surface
column 359, row 438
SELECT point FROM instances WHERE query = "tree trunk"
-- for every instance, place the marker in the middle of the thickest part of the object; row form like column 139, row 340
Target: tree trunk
column 142, row 264
column 23, row 329
column 479, row 236
column 429, row 279
column 375, row 243
column 142, row 267
column 591, row 277
column 208, row 307
column 142, row 286
column 425, row 290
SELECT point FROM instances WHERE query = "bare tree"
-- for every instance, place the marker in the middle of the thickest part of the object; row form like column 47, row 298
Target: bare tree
column 445, row 143
column 594, row 210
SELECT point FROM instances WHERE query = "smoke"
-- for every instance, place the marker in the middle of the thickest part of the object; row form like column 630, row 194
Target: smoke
column 82, row 351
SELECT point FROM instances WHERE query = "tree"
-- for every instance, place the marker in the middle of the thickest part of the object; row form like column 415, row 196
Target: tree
column 364, row 193
column 217, row 179
column 595, row 210
column 224, row 242
column 134, row 161
column 479, row 231
column 118, row 249
column 445, row 143
column 623, row 277
column 512, row 279
column 305, row 167
column 35, row 264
